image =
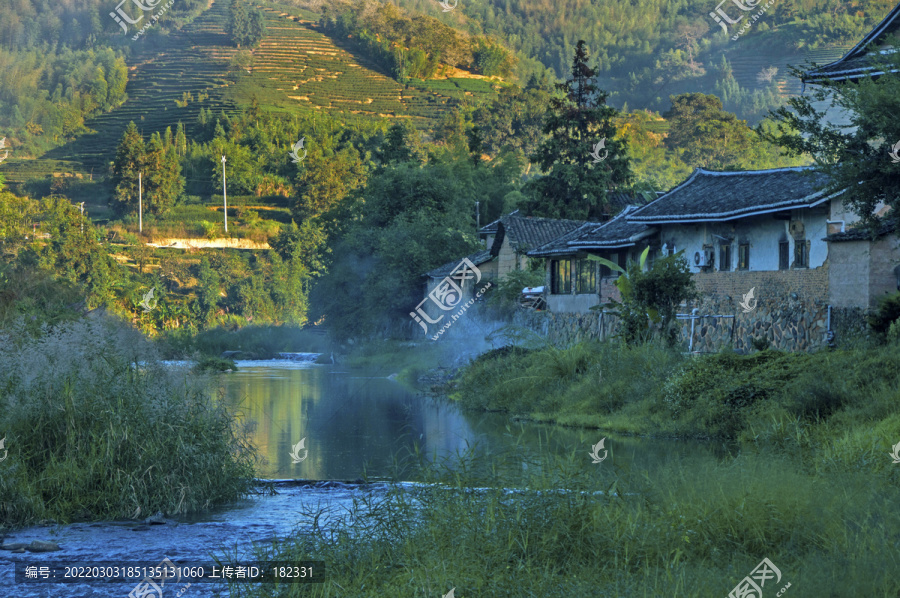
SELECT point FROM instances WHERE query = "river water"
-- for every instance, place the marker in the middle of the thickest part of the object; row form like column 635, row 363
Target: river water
column 353, row 425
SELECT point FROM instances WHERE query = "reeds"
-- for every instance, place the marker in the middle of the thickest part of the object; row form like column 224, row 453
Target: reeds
column 97, row 427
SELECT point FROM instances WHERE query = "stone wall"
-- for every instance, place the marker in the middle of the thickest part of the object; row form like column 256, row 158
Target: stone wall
column 790, row 311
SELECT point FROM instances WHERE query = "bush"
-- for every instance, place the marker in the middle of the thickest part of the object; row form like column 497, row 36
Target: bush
column 888, row 313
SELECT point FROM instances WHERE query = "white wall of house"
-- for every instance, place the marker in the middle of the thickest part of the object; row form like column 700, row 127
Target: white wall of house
column 762, row 233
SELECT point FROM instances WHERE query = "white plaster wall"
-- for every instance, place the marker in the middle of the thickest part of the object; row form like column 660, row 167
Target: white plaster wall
column 763, row 233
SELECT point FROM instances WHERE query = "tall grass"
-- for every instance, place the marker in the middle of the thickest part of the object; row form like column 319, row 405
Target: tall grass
column 694, row 529
column 97, row 428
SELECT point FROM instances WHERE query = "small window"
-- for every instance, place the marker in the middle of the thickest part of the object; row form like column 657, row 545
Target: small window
column 801, row 254
column 724, row 258
column 561, row 277
column 586, row 278
column 784, row 252
column 605, row 271
column 743, row 257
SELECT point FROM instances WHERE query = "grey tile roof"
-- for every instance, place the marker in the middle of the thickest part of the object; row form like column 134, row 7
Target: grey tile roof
column 492, row 227
column 860, row 60
column 482, row 257
column 618, row 232
column 529, row 233
column 709, row 196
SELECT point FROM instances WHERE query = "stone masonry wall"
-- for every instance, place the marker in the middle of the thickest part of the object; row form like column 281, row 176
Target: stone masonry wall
column 791, row 313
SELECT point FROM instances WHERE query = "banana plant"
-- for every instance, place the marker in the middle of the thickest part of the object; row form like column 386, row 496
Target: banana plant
column 625, row 284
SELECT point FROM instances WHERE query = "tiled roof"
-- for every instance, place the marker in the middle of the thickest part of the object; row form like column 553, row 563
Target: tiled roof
column 529, row 233
column 482, row 257
column 492, row 227
column 859, row 61
column 862, row 233
column 618, row 232
column 708, row 196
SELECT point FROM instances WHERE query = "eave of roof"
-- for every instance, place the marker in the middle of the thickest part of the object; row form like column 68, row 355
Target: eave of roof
column 478, row 258
column 859, row 50
column 863, row 233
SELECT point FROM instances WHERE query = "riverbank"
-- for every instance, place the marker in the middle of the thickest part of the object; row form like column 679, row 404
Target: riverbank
column 811, row 488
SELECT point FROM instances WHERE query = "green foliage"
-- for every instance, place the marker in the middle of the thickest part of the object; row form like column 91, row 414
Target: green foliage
column 508, row 289
column 411, row 46
column 649, row 297
column 888, row 313
column 94, row 439
column 856, row 156
column 574, row 185
column 245, row 26
column 414, row 218
column 325, row 181
column 704, row 135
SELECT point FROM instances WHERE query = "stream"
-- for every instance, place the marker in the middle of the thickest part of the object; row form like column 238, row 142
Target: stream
column 353, row 425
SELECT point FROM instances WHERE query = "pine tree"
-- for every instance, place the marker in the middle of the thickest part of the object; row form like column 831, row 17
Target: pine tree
column 128, row 164
column 575, row 183
column 238, row 22
column 180, row 140
column 163, row 181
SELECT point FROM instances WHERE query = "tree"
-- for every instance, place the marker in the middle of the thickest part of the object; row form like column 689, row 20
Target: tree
column 127, row 166
column 650, row 297
column 208, row 290
column 395, row 148
column 856, row 157
column 325, row 181
column 575, row 184
column 245, row 27
column 162, row 176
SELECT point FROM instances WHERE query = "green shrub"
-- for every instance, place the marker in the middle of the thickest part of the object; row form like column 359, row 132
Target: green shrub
column 215, row 364
column 888, row 313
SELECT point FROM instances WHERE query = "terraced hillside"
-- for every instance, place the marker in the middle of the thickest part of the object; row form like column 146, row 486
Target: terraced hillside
column 296, row 68
column 194, row 60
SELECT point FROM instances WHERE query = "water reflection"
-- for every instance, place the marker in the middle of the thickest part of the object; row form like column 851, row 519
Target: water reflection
column 358, row 426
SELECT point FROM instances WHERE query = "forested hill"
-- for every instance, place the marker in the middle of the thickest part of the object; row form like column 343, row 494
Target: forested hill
column 648, row 50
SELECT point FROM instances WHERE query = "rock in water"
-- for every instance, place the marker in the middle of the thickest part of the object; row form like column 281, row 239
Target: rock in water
column 39, row 546
column 157, row 519
column 12, row 546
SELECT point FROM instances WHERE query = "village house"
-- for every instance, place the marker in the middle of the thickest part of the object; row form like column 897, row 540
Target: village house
column 774, row 231
column 507, row 242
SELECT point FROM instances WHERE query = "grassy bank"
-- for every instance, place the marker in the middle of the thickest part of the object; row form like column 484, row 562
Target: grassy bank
column 812, row 487
column 693, row 530
column 97, row 428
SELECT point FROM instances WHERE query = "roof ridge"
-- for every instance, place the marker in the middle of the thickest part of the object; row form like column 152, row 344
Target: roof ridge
column 762, row 171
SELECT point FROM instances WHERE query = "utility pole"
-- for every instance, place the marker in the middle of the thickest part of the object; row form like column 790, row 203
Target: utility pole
column 140, row 204
column 224, row 194
column 477, row 216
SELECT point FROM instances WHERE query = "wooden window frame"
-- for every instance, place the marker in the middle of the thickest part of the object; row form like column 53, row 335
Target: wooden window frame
column 556, row 268
column 784, row 255
column 743, row 256
column 585, row 268
column 725, row 257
